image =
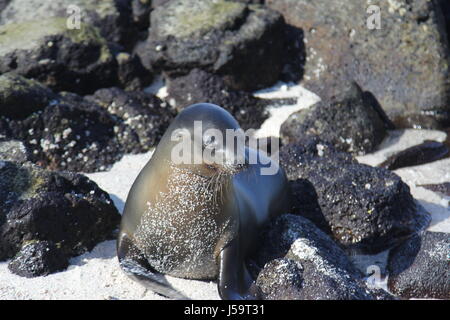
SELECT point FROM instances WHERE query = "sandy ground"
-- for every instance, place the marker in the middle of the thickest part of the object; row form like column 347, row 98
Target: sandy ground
column 96, row 275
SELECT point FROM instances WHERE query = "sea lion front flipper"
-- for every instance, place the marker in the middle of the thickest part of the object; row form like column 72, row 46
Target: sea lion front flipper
column 235, row 282
column 136, row 267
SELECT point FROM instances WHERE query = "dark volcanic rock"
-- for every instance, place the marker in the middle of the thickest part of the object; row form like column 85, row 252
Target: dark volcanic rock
column 243, row 43
column 19, row 97
column 70, row 134
column 38, row 258
column 200, row 86
column 278, row 237
column 141, row 13
column 304, row 263
column 251, row 1
column 144, row 117
column 428, row 151
column 445, row 5
column 64, row 59
column 405, row 63
column 350, row 122
column 13, row 150
column 366, row 208
column 112, row 17
column 295, row 55
column 60, row 207
column 281, row 279
column 305, row 202
column 287, row 279
column 131, row 73
column 420, row 267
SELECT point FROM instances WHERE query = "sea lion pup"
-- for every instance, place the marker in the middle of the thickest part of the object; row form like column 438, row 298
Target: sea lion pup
column 198, row 219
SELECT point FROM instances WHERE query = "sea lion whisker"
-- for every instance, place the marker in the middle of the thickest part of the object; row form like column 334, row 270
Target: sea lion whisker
column 220, row 182
column 206, row 187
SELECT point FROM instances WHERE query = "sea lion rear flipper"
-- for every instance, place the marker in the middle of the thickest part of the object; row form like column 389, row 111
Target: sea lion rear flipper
column 135, row 266
column 235, row 282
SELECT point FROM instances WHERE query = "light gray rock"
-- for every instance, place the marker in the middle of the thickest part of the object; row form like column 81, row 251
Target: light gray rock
column 405, row 64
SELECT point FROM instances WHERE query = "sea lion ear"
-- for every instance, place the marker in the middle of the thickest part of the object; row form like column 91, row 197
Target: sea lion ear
column 234, row 281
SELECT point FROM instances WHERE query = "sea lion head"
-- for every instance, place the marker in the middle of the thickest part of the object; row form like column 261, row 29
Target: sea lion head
column 206, row 140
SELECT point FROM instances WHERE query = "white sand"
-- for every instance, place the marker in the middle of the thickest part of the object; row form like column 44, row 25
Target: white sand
column 279, row 114
column 96, row 275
